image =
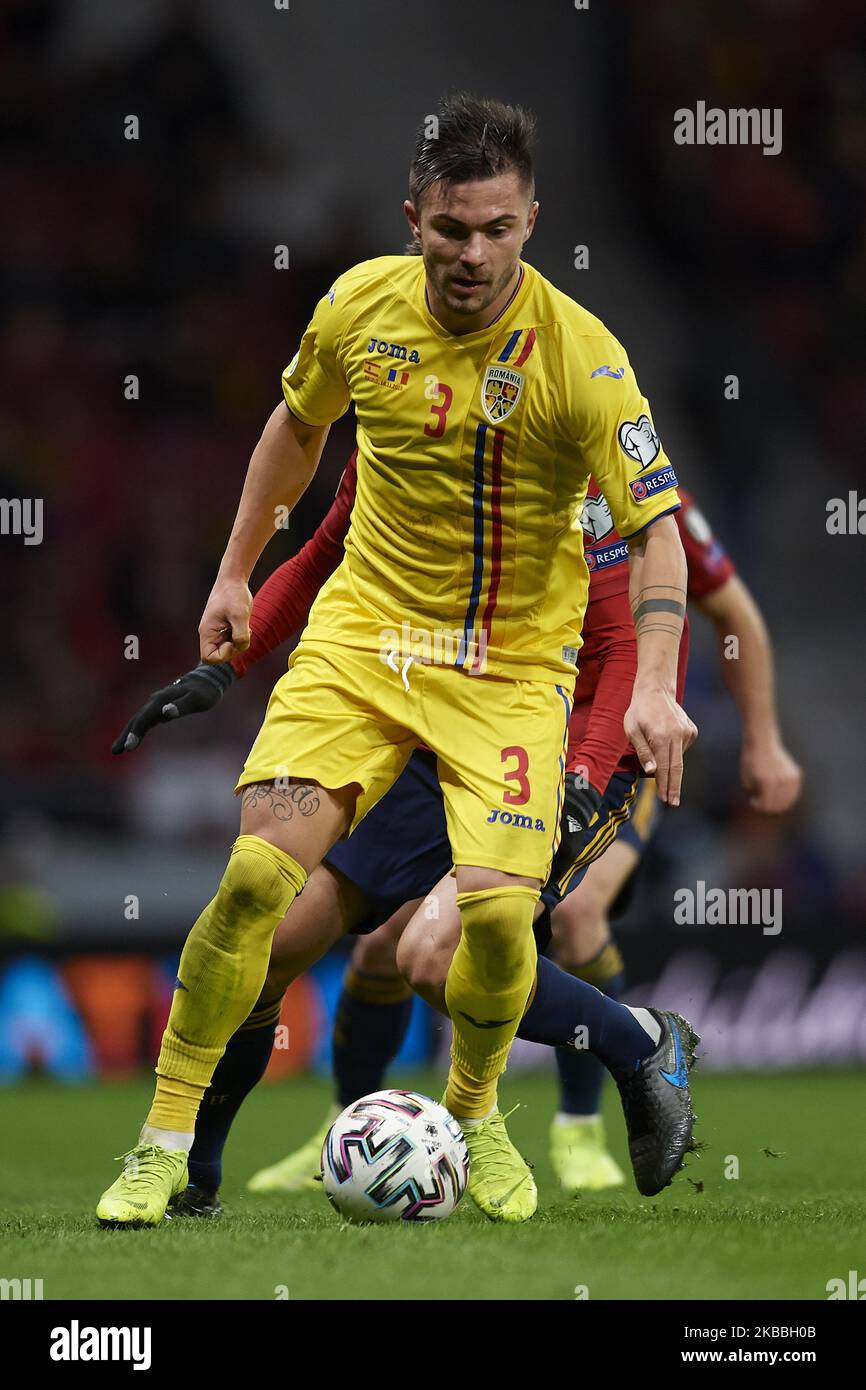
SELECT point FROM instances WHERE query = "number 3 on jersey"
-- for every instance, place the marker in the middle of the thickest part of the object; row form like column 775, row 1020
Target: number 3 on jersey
column 434, row 429
column 518, row 775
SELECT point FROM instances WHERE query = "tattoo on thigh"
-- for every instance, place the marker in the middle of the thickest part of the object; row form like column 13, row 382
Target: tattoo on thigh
column 302, row 797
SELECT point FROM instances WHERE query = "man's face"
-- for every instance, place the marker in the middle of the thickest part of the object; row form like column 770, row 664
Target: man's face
column 471, row 236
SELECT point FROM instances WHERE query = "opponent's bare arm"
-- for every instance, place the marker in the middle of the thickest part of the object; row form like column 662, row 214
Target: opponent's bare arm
column 656, row 724
column 770, row 776
column 280, row 469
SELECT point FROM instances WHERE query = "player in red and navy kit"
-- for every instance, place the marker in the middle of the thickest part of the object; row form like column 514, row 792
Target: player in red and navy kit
column 597, row 858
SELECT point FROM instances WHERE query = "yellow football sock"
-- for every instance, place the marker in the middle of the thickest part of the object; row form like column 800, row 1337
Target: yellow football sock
column 486, row 990
column 222, row 970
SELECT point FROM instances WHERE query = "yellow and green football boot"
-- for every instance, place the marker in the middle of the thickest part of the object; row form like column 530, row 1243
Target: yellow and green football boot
column 151, row 1177
column 500, row 1180
column 579, row 1156
column 301, row 1171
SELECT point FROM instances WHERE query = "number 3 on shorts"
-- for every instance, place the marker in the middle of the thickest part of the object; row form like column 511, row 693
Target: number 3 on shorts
column 518, row 774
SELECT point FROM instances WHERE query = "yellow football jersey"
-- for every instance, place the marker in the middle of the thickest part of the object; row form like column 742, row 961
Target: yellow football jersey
column 474, row 454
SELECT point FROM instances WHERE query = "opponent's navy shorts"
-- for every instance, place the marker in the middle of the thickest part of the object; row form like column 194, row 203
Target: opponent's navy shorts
column 401, row 848
column 614, row 811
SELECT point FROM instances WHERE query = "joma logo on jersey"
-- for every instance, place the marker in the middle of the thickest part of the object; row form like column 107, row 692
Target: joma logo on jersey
column 385, row 349
column 519, row 822
column 500, row 392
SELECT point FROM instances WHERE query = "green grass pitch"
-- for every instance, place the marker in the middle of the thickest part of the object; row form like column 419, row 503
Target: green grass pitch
column 793, row 1219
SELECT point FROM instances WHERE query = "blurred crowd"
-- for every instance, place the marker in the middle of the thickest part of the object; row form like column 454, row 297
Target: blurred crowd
column 775, row 245
column 769, row 254
column 119, row 261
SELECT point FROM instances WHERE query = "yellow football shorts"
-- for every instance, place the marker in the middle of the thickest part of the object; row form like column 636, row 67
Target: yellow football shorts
column 341, row 716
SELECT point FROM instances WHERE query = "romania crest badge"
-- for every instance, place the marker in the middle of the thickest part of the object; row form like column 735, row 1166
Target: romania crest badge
column 500, row 392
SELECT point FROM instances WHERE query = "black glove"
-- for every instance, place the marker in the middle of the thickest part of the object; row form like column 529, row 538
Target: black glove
column 579, row 808
column 193, row 693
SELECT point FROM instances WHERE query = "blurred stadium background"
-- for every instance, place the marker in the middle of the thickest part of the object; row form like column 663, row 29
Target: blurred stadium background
column 155, row 257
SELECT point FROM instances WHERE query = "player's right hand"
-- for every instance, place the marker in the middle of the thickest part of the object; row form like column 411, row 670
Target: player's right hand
column 224, row 630
column 771, row 777
column 193, row 693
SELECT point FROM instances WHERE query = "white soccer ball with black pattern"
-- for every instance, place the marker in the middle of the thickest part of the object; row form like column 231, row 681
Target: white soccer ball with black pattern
column 395, row 1156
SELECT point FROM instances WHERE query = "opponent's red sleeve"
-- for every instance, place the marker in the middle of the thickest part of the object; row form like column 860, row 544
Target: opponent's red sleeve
column 610, row 643
column 709, row 565
column 283, row 603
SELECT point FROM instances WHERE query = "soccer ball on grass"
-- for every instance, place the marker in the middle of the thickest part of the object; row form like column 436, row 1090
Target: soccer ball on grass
column 395, row 1156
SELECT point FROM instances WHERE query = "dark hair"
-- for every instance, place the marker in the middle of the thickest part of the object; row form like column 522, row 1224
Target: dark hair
column 475, row 139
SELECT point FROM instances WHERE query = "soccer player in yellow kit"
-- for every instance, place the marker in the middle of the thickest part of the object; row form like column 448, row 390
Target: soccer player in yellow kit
column 484, row 399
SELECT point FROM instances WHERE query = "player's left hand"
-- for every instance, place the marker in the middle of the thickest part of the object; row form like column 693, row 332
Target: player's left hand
column 771, row 777
column 660, row 731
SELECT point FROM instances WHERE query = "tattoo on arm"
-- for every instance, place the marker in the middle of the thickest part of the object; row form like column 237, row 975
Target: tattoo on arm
column 666, row 599
column 643, row 627
column 283, row 800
